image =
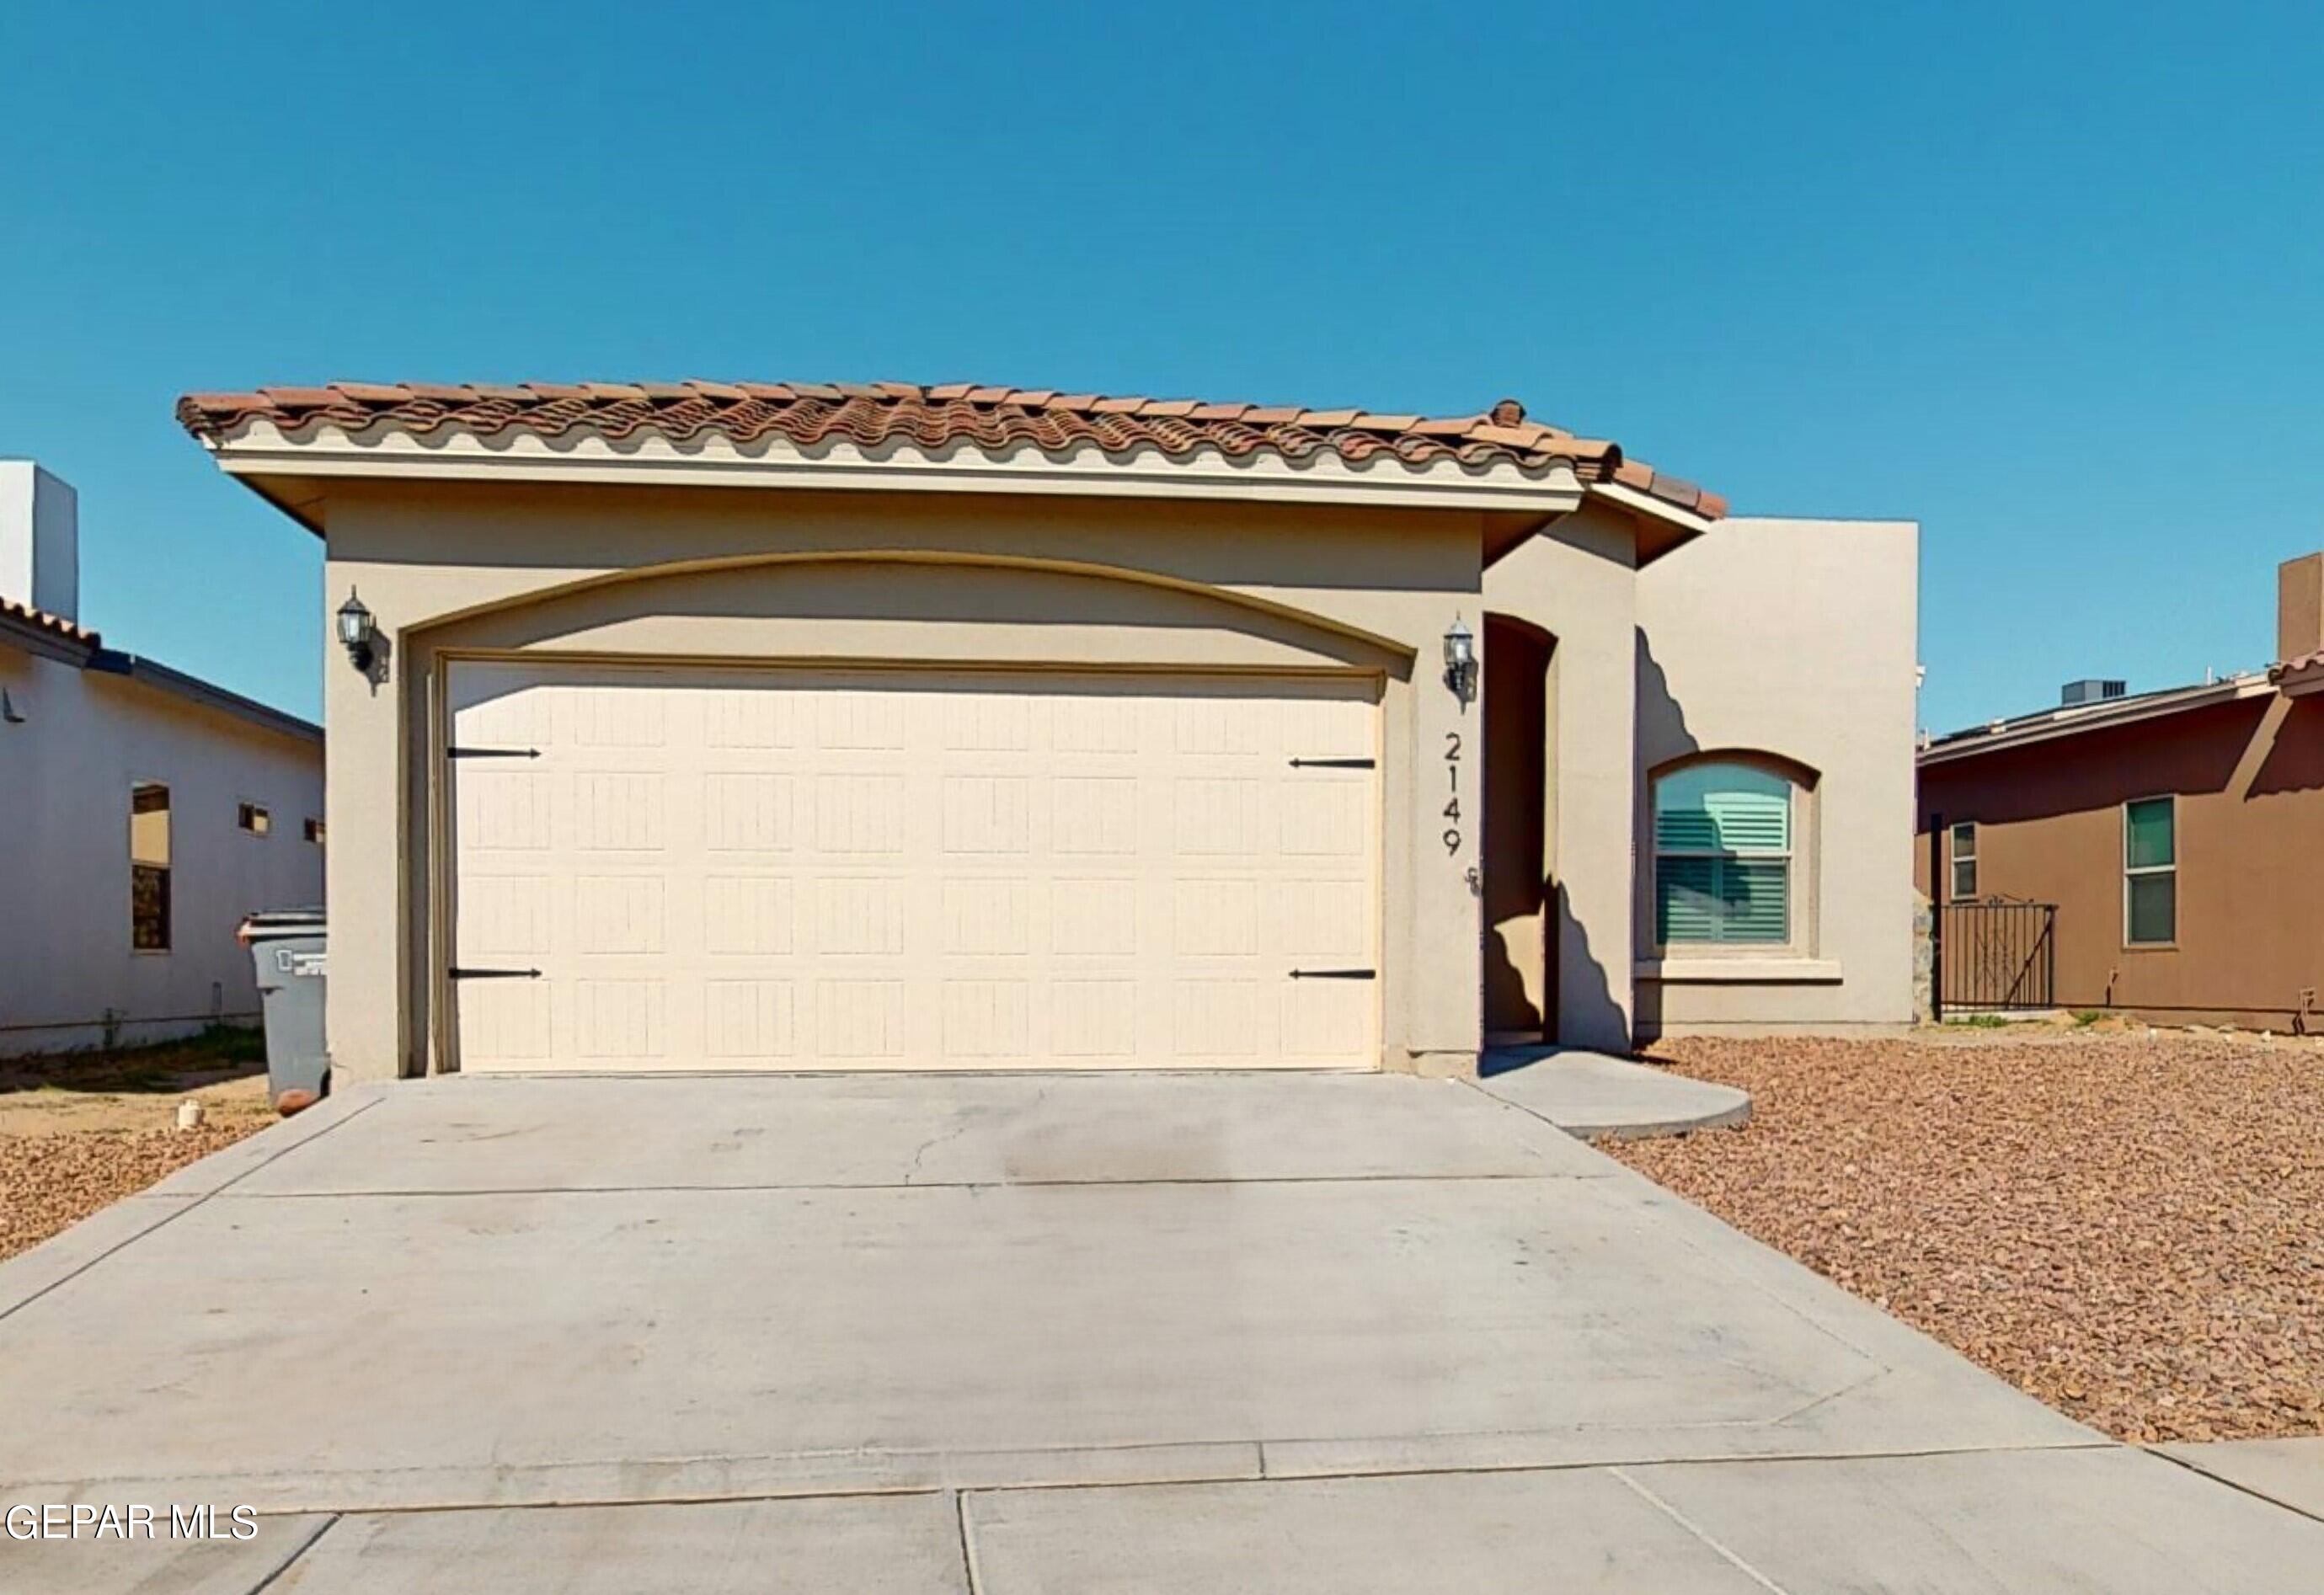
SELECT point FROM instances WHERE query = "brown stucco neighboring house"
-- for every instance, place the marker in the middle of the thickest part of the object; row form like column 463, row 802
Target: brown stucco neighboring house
column 2180, row 833
column 142, row 812
column 789, row 726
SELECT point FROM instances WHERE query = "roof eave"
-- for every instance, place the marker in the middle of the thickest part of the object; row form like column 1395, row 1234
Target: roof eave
column 45, row 641
column 1664, row 527
column 2299, row 679
column 193, row 689
column 1969, row 744
column 269, row 461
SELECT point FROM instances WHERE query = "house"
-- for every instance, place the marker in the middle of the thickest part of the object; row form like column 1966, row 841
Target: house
column 146, row 811
column 779, row 725
column 2173, row 840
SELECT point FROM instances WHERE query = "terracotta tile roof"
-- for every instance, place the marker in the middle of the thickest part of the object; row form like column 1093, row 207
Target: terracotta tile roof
column 988, row 418
column 2300, row 666
column 70, row 630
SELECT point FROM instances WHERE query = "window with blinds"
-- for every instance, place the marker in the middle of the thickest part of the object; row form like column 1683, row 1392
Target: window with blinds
column 1722, row 856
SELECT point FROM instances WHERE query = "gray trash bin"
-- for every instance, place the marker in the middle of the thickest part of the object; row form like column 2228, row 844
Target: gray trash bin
column 287, row 945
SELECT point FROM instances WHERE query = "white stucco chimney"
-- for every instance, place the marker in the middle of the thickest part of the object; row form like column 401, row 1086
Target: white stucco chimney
column 40, row 540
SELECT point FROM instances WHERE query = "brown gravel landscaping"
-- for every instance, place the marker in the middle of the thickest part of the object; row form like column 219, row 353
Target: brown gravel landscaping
column 79, row 1132
column 2129, row 1225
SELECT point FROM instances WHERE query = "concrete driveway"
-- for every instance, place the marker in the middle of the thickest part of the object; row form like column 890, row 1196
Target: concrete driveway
column 1021, row 1334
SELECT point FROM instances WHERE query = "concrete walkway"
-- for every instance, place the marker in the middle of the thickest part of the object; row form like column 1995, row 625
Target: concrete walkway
column 1601, row 1098
column 1021, row 1334
column 2288, row 1472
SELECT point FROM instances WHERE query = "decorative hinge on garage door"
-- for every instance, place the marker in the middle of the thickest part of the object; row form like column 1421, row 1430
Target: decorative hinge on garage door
column 494, row 974
column 1332, row 764
column 1334, row 974
column 494, row 752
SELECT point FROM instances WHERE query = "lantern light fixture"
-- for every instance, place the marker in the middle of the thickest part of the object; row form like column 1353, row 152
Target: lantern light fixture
column 1461, row 661
column 358, row 632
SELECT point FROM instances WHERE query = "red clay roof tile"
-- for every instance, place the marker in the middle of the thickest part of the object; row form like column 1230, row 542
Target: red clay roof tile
column 70, row 630
column 303, row 398
column 989, row 418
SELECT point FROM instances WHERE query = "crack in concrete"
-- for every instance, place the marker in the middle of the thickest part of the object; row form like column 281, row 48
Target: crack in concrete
column 304, row 1547
column 1708, row 1540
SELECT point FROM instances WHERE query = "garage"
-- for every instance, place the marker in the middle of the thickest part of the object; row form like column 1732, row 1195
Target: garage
column 684, row 867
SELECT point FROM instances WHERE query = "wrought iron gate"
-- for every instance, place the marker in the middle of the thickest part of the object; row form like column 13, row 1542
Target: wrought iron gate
column 1997, row 955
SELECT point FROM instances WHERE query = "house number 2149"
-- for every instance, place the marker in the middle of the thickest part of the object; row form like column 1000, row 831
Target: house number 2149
column 1453, row 789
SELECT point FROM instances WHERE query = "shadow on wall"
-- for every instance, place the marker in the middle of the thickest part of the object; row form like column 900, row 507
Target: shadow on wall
column 1662, row 735
column 1589, row 1016
column 2295, row 760
column 570, row 527
column 1505, row 984
column 1587, row 1013
column 2192, row 753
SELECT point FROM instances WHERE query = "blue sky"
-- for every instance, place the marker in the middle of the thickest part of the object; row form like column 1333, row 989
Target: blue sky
column 2047, row 283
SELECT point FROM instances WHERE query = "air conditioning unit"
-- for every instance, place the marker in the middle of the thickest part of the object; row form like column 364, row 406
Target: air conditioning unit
column 2089, row 691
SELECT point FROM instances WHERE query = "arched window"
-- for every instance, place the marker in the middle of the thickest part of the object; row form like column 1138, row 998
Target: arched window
column 1724, row 863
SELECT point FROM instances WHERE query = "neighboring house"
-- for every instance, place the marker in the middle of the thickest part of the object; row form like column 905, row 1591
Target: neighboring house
column 2179, row 834
column 146, row 812
column 782, row 725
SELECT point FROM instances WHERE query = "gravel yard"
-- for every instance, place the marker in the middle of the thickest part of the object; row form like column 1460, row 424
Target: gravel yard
column 79, row 1131
column 2129, row 1226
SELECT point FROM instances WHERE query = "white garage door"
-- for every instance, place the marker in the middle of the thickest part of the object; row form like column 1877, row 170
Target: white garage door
column 685, row 868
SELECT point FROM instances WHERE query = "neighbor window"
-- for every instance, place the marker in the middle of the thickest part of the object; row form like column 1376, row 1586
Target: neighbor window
column 253, row 818
column 2150, row 872
column 1722, row 855
column 1964, row 860
column 315, row 832
column 148, row 867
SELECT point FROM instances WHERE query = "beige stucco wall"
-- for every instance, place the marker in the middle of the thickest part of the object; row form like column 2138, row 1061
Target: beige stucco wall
column 64, row 775
column 1578, row 582
column 1794, row 638
column 1260, row 587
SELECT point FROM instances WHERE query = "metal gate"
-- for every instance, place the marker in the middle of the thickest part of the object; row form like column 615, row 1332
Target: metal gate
column 1997, row 955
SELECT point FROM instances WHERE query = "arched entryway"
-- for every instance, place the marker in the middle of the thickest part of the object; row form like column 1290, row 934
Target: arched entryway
column 1521, row 892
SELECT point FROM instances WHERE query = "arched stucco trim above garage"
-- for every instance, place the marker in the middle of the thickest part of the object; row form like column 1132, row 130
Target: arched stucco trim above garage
column 1155, row 599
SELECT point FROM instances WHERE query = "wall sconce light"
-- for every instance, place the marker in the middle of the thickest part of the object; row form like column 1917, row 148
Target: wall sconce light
column 358, row 633
column 1461, row 661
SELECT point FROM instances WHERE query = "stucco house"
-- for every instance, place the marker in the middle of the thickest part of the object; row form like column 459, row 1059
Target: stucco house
column 146, row 812
column 2170, row 844
column 782, row 725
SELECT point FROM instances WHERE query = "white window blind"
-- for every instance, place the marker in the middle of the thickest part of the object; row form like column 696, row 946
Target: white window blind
column 1722, row 855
